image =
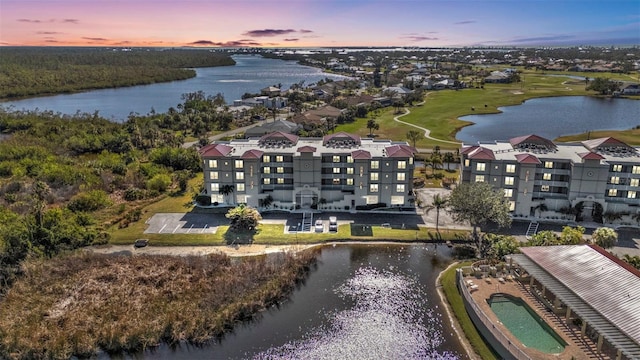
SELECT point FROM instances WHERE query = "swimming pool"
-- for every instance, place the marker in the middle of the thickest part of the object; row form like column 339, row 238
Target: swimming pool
column 525, row 324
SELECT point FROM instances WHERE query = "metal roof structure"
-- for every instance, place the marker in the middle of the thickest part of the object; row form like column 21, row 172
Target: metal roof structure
column 599, row 289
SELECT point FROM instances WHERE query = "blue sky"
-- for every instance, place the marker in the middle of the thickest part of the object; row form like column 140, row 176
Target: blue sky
column 306, row 23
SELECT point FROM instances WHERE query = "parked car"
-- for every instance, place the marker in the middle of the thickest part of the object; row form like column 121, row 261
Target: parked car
column 319, row 226
column 333, row 223
column 140, row 243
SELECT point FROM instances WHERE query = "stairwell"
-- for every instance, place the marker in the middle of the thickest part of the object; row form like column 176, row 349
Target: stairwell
column 532, row 229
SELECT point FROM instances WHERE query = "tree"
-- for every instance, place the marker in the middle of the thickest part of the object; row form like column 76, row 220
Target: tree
column 479, row 203
column 632, row 260
column 448, row 158
column 372, row 125
column 604, row 237
column 544, row 238
column 572, row 236
column 603, row 86
column 502, row 245
column 435, row 160
column 243, row 218
column 437, row 203
column 226, row 190
column 414, row 136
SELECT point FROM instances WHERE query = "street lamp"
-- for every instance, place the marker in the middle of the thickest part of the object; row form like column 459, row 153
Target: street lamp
column 297, row 229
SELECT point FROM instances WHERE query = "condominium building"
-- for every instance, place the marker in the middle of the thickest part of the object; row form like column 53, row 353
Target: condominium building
column 536, row 174
column 339, row 171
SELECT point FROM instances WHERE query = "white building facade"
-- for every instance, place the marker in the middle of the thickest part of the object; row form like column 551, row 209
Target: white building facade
column 586, row 179
column 338, row 172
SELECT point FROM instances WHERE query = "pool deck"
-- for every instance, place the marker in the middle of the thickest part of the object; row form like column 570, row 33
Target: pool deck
column 578, row 347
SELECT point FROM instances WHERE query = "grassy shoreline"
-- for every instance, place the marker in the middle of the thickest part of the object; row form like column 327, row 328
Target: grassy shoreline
column 78, row 305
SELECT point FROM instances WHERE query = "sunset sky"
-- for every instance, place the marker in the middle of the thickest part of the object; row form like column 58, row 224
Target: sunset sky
column 311, row 23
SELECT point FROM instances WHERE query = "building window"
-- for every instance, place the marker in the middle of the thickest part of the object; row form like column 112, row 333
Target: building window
column 350, row 181
column 372, row 199
column 548, row 164
column 509, row 180
column 634, row 182
column 401, row 176
column 397, row 200
column 544, row 188
column 266, row 170
column 280, row 180
column 508, row 193
column 213, row 175
column 400, row 188
column 631, row 194
column 612, row 192
column 239, row 175
column 635, row 169
column 280, row 170
column 350, row 159
column 213, row 164
column 279, row 158
column 266, row 181
column 510, row 168
column 615, row 180
column 546, row 176
column 239, row 164
column 479, row 178
column 266, row 158
column 375, row 164
column 410, row 161
column 373, row 187
column 374, row 176
column 336, row 181
column 512, row 205
column 466, row 162
column 241, row 199
column 240, row 187
column 480, row 166
column 617, row 167
column 215, row 187
column 336, row 158
column 402, row 164
column 350, row 171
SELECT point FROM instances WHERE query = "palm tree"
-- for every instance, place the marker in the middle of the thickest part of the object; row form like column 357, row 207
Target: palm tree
column 437, row 203
column 226, row 190
column 372, row 125
column 541, row 207
column 414, row 136
column 449, row 158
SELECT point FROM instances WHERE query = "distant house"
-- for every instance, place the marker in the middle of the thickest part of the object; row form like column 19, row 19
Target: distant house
column 633, row 89
column 270, row 91
column 282, row 126
column 266, row 101
column 498, row 77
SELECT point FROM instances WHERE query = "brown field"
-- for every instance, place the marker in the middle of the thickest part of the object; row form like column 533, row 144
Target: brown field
column 80, row 304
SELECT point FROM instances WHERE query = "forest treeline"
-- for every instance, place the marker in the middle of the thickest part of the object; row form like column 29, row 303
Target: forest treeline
column 64, row 180
column 27, row 71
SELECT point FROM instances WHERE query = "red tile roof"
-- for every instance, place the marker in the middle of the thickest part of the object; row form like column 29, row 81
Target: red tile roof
column 531, row 139
column 340, row 135
column 252, row 154
column 306, row 149
column 467, row 149
column 400, row 151
column 278, row 135
column 215, row 150
column 481, row 153
column 604, row 142
column 528, row 159
column 589, row 155
column 361, row 155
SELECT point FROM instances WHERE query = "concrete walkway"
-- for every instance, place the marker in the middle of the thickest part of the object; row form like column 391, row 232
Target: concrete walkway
column 427, row 132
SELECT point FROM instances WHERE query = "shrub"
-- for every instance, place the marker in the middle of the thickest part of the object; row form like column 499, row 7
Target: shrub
column 133, row 194
column 159, row 183
column 203, row 200
column 89, row 201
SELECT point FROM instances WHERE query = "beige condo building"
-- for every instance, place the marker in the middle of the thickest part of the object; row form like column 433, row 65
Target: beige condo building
column 339, row 172
column 540, row 177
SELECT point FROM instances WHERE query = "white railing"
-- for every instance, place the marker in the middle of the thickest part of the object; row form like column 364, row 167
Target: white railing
column 514, row 350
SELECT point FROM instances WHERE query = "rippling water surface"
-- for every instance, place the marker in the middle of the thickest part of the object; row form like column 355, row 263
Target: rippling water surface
column 362, row 302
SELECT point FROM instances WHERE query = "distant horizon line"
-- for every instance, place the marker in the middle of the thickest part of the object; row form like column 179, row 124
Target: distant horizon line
column 479, row 46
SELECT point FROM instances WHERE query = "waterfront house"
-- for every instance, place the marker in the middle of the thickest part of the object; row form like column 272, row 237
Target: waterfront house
column 633, row 89
column 283, row 126
column 341, row 171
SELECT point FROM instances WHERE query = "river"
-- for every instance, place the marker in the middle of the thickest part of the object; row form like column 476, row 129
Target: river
column 362, row 302
column 250, row 74
column 552, row 117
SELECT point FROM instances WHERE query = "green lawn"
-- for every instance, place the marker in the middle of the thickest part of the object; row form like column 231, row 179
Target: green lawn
column 442, row 109
column 631, row 137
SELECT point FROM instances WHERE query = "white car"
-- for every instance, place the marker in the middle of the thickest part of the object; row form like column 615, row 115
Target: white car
column 319, row 226
column 333, row 224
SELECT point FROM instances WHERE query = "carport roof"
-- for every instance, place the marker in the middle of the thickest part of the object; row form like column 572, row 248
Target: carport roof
column 595, row 285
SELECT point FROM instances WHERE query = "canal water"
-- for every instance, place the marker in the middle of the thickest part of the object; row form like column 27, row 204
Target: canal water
column 250, row 74
column 362, row 302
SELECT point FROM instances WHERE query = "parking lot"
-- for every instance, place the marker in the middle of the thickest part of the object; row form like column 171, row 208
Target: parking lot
column 183, row 223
